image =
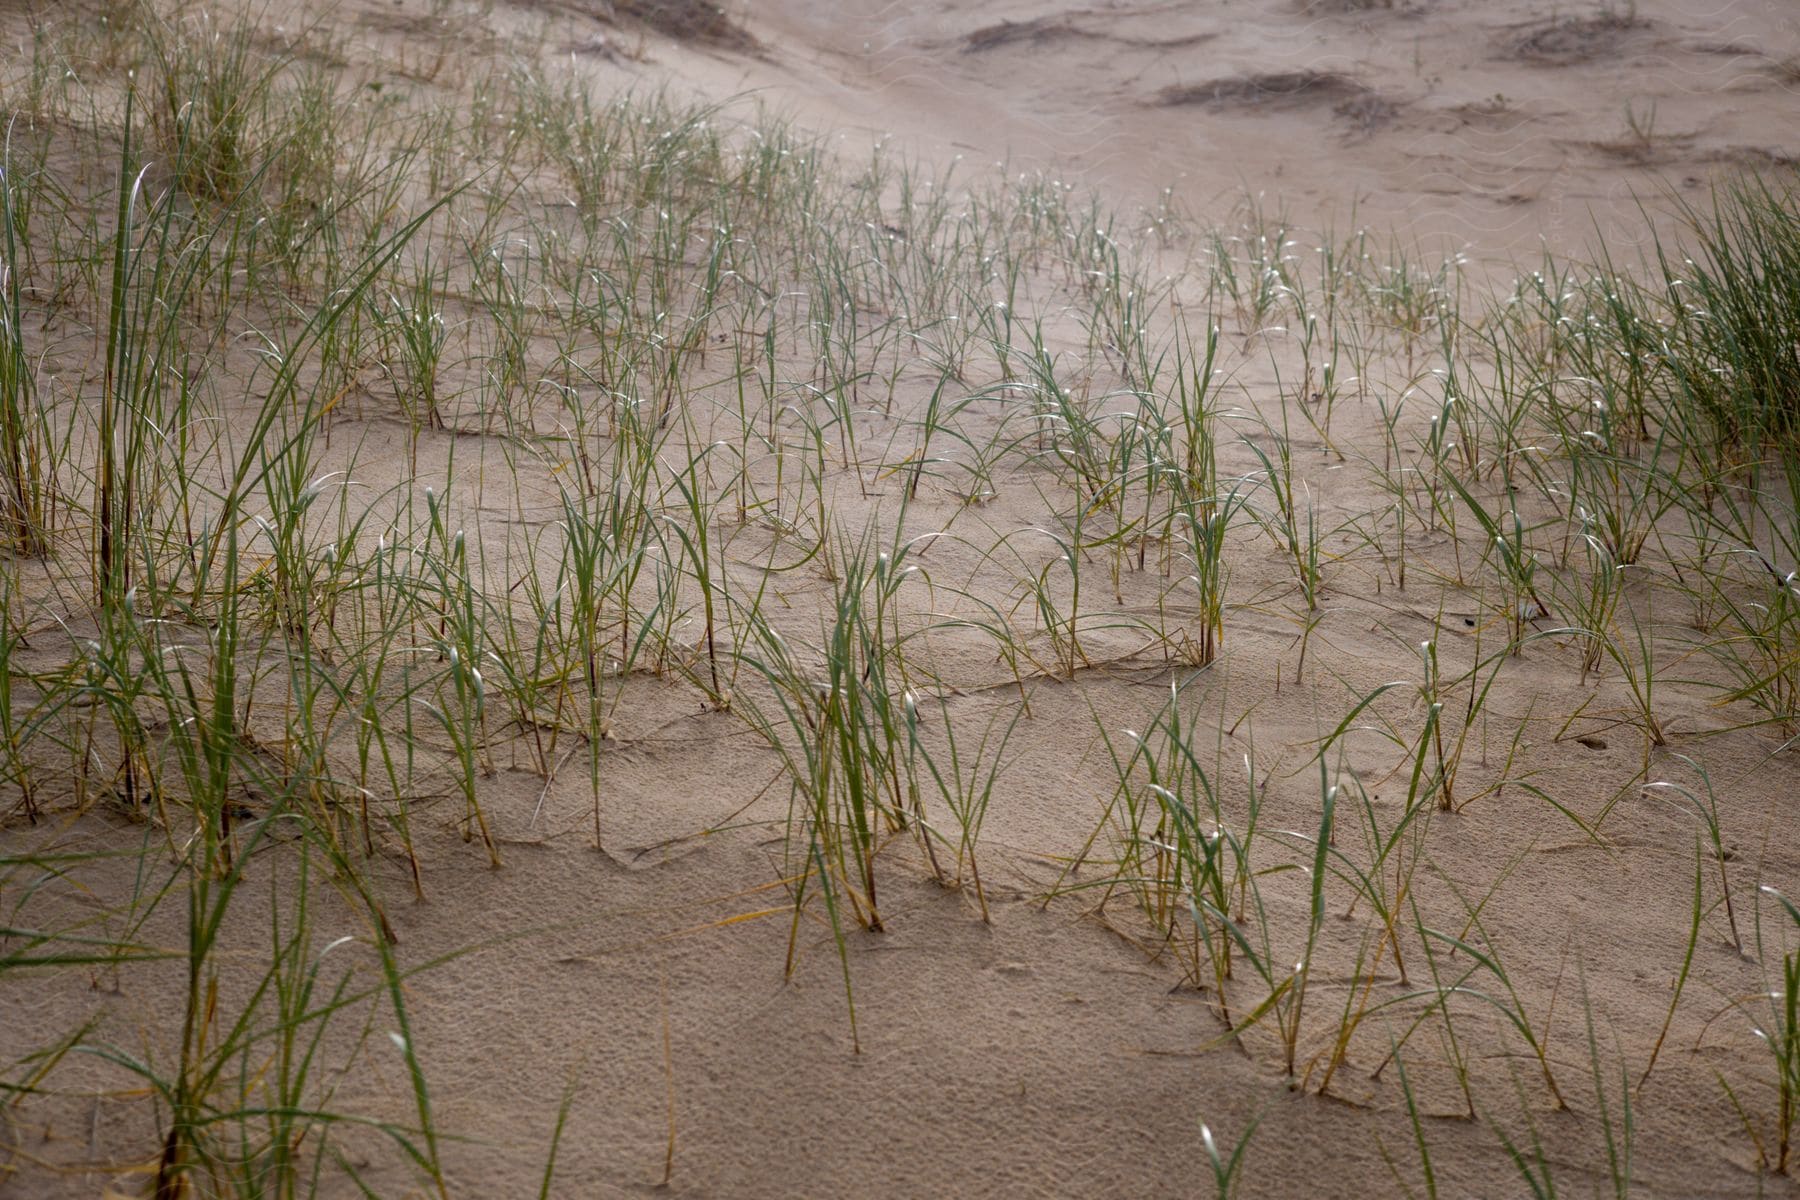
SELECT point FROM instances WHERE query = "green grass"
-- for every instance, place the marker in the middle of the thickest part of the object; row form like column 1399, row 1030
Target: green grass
column 873, row 462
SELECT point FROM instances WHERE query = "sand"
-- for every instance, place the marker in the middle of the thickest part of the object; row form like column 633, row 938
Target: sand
column 1046, row 1052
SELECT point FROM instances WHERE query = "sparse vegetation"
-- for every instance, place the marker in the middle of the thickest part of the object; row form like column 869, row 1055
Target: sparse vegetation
column 367, row 450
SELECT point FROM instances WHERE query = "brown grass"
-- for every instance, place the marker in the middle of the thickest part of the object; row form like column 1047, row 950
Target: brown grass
column 1007, row 33
column 1575, row 39
column 688, row 21
column 1268, row 89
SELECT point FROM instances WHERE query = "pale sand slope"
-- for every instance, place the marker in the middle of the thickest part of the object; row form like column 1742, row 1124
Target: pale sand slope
column 1043, row 1055
column 1489, row 124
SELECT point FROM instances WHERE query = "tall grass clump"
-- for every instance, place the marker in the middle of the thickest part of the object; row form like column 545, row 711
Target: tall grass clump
column 1775, row 1021
column 1734, row 294
column 248, row 1099
column 842, row 722
column 210, row 89
column 24, row 440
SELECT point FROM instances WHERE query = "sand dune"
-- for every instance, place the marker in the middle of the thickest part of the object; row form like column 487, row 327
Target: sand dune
column 1067, row 1045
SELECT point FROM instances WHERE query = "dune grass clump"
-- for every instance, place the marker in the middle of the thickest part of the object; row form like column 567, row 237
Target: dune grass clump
column 1734, row 293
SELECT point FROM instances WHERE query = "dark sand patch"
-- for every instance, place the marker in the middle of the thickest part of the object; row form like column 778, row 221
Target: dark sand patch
column 1572, row 40
column 1353, row 101
column 1011, row 33
column 1368, row 111
column 1340, row 8
column 1269, row 89
column 688, row 21
column 1043, row 30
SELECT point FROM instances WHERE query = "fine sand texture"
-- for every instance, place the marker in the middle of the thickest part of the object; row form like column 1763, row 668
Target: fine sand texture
column 829, row 599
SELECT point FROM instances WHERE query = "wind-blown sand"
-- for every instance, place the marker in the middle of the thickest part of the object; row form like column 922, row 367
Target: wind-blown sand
column 1491, row 126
